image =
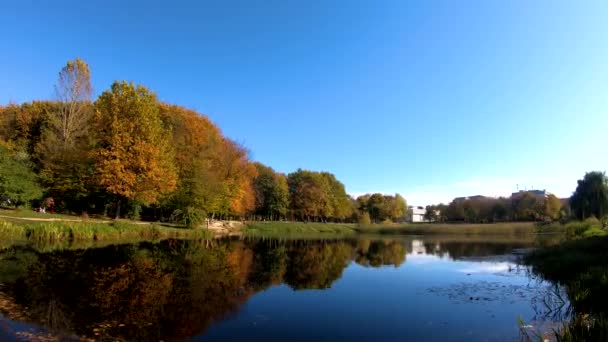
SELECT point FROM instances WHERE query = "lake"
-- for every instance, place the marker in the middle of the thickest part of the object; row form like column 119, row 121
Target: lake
column 407, row 288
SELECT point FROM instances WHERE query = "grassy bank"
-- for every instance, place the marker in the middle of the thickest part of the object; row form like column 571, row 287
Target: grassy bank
column 61, row 232
column 516, row 228
column 298, row 229
column 29, row 213
column 581, row 266
column 301, row 228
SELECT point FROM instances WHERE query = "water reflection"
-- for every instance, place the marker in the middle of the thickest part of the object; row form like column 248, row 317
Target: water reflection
column 174, row 289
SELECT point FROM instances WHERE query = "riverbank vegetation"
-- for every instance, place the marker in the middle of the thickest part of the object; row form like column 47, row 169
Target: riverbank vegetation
column 297, row 228
column 580, row 263
column 580, row 266
column 67, row 232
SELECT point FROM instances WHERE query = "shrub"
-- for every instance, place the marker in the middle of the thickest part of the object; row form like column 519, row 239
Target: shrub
column 364, row 218
column 189, row 216
column 134, row 211
column 589, row 227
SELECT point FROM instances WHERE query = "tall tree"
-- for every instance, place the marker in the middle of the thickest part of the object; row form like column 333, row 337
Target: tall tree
column 430, row 214
column 398, row 207
column 553, row 207
column 73, row 90
column 591, row 196
column 64, row 148
column 271, row 192
column 196, row 141
column 134, row 156
column 306, row 194
column 237, row 174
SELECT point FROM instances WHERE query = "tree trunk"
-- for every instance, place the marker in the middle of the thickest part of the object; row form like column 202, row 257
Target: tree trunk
column 117, row 209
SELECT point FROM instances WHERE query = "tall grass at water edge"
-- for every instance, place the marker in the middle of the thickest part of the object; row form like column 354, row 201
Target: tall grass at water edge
column 52, row 232
column 301, row 228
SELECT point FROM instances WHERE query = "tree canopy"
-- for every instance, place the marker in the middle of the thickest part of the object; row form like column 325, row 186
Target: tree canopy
column 591, row 196
column 128, row 148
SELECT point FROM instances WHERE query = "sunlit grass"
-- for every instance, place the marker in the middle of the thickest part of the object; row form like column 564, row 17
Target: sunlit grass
column 515, row 228
column 29, row 213
column 300, row 228
column 62, row 232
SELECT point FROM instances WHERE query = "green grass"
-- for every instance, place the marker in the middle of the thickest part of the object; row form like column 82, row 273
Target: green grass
column 67, row 232
column 446, row 228
column 577, row 229
column 300, row 228
column 292, row 229
column 29, row 213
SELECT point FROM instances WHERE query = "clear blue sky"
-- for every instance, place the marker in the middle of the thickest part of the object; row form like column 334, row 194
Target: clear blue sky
column 432, row 99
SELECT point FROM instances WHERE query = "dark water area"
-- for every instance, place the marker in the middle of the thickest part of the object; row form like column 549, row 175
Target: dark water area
column 408, row 288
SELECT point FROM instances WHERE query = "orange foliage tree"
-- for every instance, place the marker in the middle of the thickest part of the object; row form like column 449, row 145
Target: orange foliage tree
column 134, row 155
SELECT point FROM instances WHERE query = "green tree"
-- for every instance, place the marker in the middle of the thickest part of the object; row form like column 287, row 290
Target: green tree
column 134, row 156
column 377, row 208
column 308, row 195
column 431, row 214
column 17, row 180
column 339, row 201
column 398, row 207
column 271, row 192
column 456, row 210
column 528, row 207
column 591, row 196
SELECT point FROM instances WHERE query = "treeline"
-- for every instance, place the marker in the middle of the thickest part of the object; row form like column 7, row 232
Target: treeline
column 127, row 154
column 479, row 209
column 590, row 199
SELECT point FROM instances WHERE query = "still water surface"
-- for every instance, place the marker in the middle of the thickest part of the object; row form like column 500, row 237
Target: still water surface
column 410, row 288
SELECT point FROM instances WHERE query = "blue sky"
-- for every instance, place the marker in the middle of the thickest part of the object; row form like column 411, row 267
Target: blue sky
column 431, row 99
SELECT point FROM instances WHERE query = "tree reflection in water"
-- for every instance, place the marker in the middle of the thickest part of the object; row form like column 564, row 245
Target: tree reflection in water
column 175, row 289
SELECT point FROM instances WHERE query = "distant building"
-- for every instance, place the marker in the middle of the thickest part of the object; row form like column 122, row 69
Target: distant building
column 536, row 193
column 415, row 214
column 476, row 197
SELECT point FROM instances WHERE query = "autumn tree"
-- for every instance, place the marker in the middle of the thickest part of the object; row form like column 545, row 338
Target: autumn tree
column 134, row 157
column 398, row 206
column 237, row 174
column 23, row 126
column 339, row 201
column 308, row 198
column 553, row 207
column 528, row 207
column 196, row 144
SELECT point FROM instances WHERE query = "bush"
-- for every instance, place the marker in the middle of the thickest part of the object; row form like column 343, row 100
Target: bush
column 134, row 211
column 189, row 216
column 589, row 227
column 364, row 218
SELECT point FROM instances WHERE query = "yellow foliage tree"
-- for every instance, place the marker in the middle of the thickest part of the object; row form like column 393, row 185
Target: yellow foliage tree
column 134, row 156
